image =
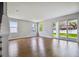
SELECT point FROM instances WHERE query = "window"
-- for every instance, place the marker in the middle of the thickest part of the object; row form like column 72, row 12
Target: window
column 41, row 26
column 33, row 27
column 13, row 27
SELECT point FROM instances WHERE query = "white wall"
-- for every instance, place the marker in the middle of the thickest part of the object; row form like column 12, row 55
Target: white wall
column 24, row 29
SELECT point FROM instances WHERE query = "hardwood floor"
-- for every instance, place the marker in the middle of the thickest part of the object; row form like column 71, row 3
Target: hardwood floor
column 42, row 47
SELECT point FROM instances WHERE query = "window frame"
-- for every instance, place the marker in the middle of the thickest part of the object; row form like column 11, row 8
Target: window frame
column 15, row 27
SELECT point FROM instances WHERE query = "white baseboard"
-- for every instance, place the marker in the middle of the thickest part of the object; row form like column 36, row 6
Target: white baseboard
column 20, row 37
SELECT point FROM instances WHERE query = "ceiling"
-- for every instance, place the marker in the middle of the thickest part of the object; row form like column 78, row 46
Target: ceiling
column 37, row 11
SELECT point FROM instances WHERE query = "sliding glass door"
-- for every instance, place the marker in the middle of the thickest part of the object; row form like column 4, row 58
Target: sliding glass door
column 54, row 30
column 67, row 29
column 63, row 29
column 72, row 29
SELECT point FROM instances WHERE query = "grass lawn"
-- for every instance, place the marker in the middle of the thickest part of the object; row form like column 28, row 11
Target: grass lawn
column 65, row 35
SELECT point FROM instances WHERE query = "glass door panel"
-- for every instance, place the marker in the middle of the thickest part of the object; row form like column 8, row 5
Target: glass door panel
column 54, row 30
column 63, row 29
column 72, row 29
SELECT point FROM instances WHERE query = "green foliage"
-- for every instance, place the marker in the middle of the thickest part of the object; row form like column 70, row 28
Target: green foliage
column 65, row 35
column 72, row 35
